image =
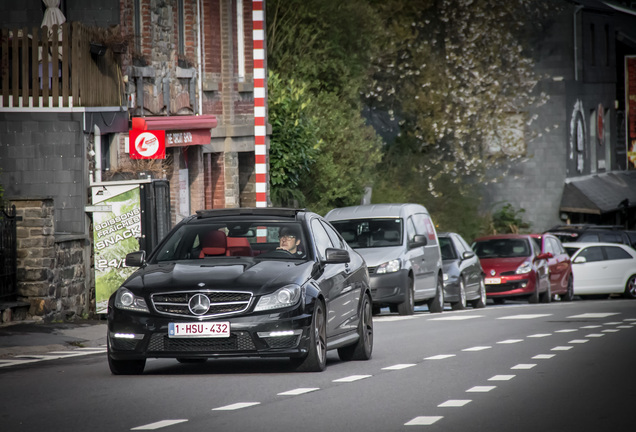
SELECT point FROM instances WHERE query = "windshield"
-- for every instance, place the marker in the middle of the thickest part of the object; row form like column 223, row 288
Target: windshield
column 502, row 248
column 258, row 239
column 370, row 233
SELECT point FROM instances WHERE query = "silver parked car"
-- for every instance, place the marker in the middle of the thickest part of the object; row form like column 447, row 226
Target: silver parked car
column 399, row 244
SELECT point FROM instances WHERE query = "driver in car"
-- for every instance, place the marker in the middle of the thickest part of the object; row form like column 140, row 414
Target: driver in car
column 289, row 240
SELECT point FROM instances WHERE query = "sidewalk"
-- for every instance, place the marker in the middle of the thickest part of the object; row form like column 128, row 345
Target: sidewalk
column 31, row 337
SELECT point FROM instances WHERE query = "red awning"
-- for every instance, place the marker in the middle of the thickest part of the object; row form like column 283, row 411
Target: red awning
column 180, row 130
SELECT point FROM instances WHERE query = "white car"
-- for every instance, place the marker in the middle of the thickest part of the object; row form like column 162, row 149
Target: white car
column 603, row 268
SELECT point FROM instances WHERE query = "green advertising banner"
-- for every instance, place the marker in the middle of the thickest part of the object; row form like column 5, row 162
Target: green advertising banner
column 115, row 234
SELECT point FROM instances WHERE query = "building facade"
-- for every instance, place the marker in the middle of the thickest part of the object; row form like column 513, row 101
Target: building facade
column 182, row 66
column 576, row 167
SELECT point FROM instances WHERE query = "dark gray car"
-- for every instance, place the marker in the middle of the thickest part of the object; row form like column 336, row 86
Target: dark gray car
column 463, row 275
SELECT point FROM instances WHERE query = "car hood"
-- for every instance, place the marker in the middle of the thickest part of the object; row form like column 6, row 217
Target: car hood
column 379, row 255
column 501, row 264
column 240, row 275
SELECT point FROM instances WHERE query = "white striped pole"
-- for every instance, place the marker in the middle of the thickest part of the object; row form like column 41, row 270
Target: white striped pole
column 260, row 132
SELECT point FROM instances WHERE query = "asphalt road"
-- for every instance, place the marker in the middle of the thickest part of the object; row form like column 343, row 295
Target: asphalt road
column 516, row 367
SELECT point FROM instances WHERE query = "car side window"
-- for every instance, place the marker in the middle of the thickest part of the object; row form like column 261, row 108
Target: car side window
column 592, row 254
column 336, row 240
column 611, row 238
column 463, row 243
column 588, row 238
column 321, row 238
column 616, row 253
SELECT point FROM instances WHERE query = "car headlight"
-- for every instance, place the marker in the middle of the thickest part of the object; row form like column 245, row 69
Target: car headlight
column 284, row 297
column 125, row 299
column 526, row 267
column 445, row 276
column 389, row 267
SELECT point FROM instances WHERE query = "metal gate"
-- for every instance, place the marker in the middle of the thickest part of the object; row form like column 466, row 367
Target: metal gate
column 8, row 254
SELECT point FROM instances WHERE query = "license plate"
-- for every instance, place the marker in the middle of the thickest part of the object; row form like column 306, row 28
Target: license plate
column 492, row 281
column 220, row 329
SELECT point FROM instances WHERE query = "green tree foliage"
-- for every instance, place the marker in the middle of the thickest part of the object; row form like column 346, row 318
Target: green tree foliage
column 508, row 220
column 294, row 142
column 326, row 45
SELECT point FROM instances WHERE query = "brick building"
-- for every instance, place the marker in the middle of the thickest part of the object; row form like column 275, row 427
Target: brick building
column 182, row 66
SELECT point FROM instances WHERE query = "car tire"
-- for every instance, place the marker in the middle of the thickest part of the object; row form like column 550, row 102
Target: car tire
column 481, row 301
column 407, row 307
column 316, row 358
column 125, row 367
column 461, row 304
column 363, row 348
column 436, row 304
column 569, row 294
column 546, row 296
column 630, row 287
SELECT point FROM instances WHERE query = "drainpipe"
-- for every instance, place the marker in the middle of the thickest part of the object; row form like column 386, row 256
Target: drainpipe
column 576, row 44
column 199, row 58
column 98, row 154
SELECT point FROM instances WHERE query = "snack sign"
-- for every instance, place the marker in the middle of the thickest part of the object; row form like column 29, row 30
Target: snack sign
column 147, row 144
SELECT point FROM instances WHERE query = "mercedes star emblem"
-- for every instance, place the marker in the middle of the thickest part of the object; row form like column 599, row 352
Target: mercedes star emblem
column 199, row 304
column 492, row 272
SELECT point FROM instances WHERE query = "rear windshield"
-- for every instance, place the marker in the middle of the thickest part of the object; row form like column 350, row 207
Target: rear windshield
column 370, row 233
column 502, row 248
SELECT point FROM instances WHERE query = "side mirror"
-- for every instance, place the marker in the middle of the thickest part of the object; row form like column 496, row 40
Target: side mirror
column 543, row 256
column 468, row 255
column 136, row 259
column 580, row 260
column 418, row 240
column 336, row 256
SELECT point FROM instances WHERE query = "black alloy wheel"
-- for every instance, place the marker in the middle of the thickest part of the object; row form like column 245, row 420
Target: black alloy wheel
column 316, row 358
column 363, row 348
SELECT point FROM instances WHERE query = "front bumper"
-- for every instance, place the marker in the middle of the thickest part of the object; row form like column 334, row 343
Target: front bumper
column 522, row 285
column 137, row 336
column 389, row 288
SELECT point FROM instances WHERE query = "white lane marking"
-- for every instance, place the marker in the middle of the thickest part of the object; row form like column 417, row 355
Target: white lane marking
column 613, row 323
column 523, row 366
column 540, row 335
column 480, row 389
column 610, row 330
column 525, row 316
column 502, row 378
column 456, row 318
column 591, row 326
column 594, row 315
column 399, row 366
column 624, row 326
column 579, row 341
column 477, row 348
column 352, row 378
column 566, row 331
column 236, row 406
column 298, row 391
column 561, row 348
column 510, row 341
column 159, row 424
column 629, row 319
column 439, row 357
column 595, row 335
column 452, row 403
column 543, row 356
column 393, row 318
column 423, row 421
column 4, row 363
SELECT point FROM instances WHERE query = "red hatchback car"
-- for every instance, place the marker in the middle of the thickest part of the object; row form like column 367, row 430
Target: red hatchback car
column 559, row 265
column 515, row 267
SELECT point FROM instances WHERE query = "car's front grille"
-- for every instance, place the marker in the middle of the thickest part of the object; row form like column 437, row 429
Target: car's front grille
column 221, row 303
column 282, row 342
column 238, row 341
column 124, row 344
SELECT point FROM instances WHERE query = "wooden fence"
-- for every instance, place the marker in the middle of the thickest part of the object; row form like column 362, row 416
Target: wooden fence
column 66, row 66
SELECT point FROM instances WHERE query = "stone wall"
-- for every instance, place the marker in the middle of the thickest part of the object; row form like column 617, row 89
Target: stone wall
column 53, row 271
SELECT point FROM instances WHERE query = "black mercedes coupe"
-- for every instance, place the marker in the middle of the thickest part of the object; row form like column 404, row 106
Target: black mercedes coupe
column 246, row 282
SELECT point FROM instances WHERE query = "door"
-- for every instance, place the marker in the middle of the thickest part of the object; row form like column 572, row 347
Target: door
column 416, row 257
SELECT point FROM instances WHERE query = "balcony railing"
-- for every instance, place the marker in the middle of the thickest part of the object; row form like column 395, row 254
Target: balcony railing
column 65, row 66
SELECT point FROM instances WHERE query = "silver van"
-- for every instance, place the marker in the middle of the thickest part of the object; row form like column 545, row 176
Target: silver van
column 399, row 244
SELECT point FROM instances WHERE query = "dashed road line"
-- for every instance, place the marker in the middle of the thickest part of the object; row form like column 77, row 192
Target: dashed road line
column 501, row 378
column 543, row 356
column 510, row 341
column 454, row 403
column 477, row 348
column 439, row 357
column 595, row 335
column 523, row 366
column 399, row 366
column 352, row 378
column 236, row 406
column 594, row 315
column 561, row 348
column 299, row 391
column 579, row 341
column 567, row 331
column 423, row 421
column 524, row 316
column 480, row 389
column 159, row 424
column 540, row 335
